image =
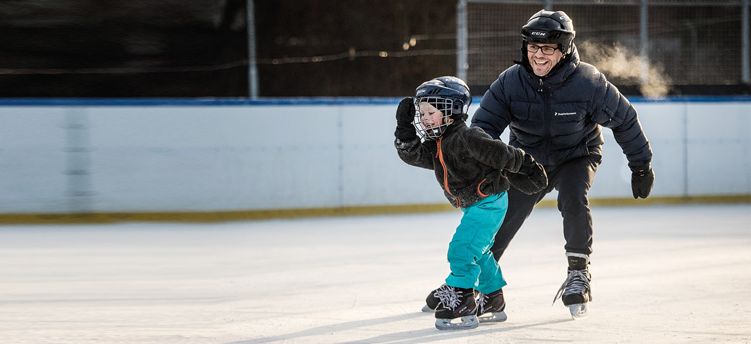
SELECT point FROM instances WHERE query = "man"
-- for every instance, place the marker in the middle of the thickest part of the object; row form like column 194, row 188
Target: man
column 555, row 107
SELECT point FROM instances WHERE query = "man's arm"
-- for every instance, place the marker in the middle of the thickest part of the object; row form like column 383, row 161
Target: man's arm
column 493, row 115
column 614, row 111
column 617, row 113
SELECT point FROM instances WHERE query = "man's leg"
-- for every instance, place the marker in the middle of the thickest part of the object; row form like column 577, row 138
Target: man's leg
column 573, row 181
column 520, row 205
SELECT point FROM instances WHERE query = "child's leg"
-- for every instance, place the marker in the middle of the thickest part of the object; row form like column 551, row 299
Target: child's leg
column 491, row 278
column 472, row 264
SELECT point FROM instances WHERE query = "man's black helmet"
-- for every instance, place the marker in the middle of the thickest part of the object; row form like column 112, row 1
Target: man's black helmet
column 550, row 27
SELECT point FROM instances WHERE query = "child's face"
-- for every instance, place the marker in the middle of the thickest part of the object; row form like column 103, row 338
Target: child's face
column 430, row 116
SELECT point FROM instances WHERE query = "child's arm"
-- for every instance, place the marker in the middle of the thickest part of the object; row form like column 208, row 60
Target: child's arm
column 524, row 173
column 407, row 142
column 531, row 177
column 493, row 152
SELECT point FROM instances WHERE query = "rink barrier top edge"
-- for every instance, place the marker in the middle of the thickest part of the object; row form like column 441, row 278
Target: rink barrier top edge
column 325, row 101
column 272, row 214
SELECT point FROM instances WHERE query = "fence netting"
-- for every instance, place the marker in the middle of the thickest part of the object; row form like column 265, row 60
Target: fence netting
column 690, row 43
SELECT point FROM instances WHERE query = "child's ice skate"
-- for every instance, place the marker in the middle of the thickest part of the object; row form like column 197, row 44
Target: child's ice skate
column 455, row 303
column 490, row 307
column 575, row 291
column 431, row 302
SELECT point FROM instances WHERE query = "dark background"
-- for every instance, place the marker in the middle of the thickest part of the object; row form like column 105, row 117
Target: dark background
column 163, row 48
column 198, row 48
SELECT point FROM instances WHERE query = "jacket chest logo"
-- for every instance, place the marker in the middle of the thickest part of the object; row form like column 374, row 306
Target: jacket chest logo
column 565, row 113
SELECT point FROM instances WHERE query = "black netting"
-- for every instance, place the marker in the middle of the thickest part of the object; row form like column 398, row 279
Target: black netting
column 689, row 42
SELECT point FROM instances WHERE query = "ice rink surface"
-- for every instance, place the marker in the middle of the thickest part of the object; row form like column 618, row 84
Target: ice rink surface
column 661, row 274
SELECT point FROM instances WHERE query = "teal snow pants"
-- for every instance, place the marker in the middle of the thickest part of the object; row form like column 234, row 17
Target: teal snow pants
column 471, row 261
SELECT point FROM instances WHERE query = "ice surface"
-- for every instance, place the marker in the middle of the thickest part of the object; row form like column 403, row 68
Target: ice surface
column 661, row 274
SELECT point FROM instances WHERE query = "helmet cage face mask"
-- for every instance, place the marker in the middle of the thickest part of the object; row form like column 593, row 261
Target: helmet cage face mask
column 431, row 131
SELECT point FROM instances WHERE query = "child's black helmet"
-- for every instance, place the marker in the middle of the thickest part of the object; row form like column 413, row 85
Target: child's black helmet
column 447, row 87
column 550, row 27
column 447, row 94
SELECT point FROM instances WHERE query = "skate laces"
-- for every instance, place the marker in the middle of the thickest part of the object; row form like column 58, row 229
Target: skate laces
column 575, row 283
column 482, row 300
column 449, row 297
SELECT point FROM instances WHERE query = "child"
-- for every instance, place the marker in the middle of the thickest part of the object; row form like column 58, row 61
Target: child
column 472, row 169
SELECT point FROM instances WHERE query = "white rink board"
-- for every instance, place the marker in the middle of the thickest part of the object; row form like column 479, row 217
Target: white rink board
column 32, row 164
column 315, row 154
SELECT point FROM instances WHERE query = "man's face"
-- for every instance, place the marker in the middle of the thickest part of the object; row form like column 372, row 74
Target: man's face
column 541, row 63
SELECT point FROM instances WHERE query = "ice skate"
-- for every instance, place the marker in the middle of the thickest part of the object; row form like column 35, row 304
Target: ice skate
column 432, row 301
column 578, row 311
column 575, row 291
column 490, row 307
column 456, row 309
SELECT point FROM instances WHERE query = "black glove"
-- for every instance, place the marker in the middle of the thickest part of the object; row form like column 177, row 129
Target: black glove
column 642, row 179
column 405, row 115
column 531, row 177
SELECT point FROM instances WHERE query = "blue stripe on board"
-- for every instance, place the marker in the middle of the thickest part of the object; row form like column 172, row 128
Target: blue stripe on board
column 192, row 101
column 294, row 101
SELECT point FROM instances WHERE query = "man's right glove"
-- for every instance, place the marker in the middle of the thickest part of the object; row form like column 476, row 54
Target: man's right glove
column 531, row 177
column 642, row 179
column 405, row 115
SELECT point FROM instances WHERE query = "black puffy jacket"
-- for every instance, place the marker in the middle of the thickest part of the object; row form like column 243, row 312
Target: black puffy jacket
column 469, row 165
column 557, row 117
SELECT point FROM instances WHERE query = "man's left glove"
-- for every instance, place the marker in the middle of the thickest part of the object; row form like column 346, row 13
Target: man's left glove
column 405, row 115
column 642, row 179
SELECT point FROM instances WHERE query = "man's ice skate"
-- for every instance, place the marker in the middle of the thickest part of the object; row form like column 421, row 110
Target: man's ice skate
column 490, row 307
column 575, row 291
column 456, row 308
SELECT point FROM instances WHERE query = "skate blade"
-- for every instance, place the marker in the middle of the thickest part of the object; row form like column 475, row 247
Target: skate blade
column 578, row 311
column 465, row 323
column 426, row 308
column 493, row 317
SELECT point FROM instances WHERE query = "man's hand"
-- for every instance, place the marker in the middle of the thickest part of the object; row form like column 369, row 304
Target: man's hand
column 642, row 179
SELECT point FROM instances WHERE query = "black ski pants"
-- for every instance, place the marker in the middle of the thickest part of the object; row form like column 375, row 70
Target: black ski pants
column 572, row 179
